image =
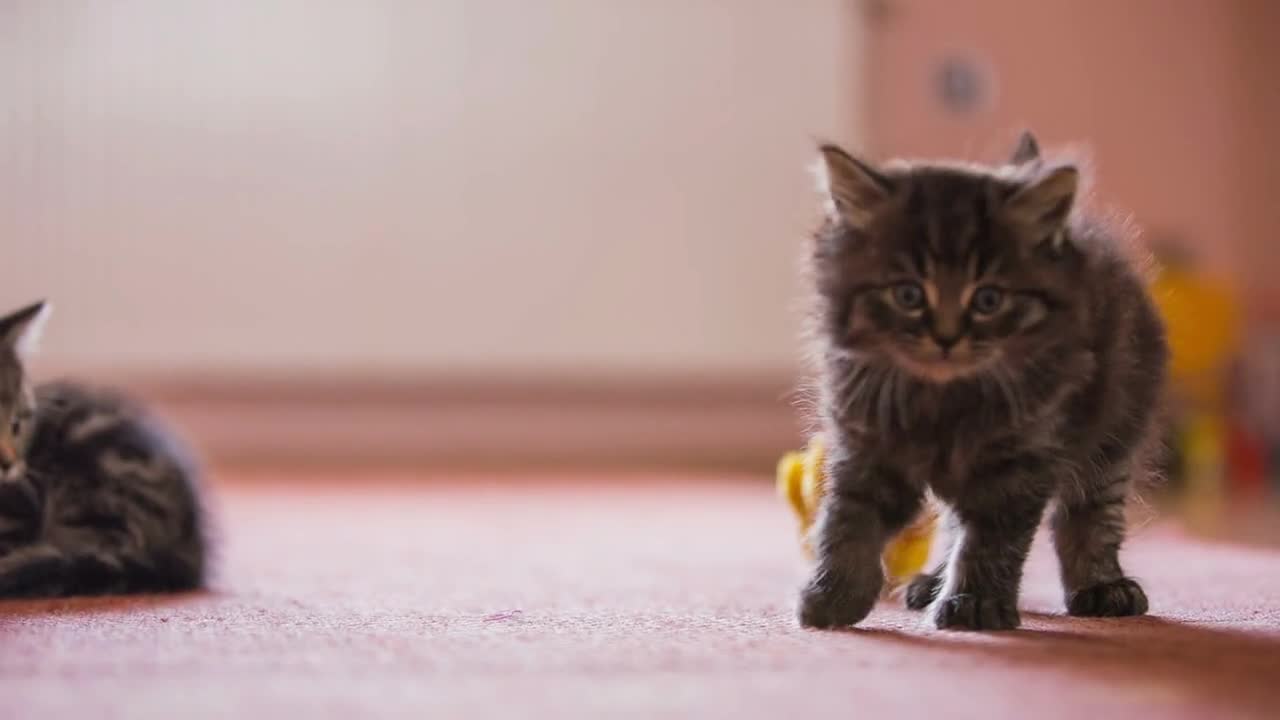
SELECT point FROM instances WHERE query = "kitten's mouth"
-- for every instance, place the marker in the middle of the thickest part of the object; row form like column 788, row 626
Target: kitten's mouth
column 13, row 472
column 940, row 366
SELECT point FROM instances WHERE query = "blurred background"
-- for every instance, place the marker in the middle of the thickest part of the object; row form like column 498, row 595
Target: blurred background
column 514, row 233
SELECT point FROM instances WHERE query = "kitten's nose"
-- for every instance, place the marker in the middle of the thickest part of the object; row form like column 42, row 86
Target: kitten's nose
column 946, row 342
column 8, row 455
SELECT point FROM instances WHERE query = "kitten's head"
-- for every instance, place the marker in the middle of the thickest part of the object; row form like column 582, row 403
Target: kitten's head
column 19, row 331
column 946, row 271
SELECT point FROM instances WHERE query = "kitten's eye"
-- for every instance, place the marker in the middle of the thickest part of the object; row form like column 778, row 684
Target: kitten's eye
column 986, row 300
column 15, row 427
column 908, row 296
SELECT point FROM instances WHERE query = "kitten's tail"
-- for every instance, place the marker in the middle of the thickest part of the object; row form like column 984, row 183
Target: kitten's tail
column 43, row 570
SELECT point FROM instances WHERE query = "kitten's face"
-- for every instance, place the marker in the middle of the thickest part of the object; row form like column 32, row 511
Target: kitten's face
column 945, row 272
column 18, row 332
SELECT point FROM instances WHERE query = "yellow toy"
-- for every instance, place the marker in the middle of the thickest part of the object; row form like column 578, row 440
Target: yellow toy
column 1202, row 321
column 801, row 484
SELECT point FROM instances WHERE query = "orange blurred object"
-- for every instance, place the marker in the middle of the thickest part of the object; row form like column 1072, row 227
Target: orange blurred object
column 1203, row 321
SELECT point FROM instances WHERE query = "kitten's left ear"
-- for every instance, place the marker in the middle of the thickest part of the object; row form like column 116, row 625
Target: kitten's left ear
column 1027, row 150
column 1044, row 202
column 20, row 330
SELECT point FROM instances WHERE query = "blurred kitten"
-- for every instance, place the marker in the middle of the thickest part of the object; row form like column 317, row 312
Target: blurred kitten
column 95, row 497
column 979, row 341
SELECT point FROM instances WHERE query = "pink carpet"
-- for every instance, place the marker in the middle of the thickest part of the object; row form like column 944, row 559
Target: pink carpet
column 566, row 600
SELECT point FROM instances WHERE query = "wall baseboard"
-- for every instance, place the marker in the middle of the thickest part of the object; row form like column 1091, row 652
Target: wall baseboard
column 475, row 423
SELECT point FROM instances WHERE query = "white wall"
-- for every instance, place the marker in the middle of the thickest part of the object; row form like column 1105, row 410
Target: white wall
column 517, row 185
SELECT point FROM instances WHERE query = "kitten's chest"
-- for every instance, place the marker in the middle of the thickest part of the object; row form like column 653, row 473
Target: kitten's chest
column 943, row 464
column 952, row 461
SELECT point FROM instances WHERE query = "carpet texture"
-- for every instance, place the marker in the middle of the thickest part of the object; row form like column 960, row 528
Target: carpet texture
column 399, row 598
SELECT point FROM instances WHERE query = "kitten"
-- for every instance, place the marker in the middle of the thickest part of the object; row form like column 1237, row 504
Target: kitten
column 95, row 497
column 978, row 341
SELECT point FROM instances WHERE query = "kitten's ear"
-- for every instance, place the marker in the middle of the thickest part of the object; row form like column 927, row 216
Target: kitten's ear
column 20, row 330
column 1044, row 202
column 1027, row 150
column 853, row 189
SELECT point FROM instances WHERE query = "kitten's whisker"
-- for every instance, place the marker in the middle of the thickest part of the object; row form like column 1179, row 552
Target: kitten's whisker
column 900, row 398
column 1014, row 393
column 851, row 390
column 884, row 399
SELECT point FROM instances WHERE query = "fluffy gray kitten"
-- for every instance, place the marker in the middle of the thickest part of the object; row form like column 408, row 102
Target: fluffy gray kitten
column 981, row 341
column 95, row 496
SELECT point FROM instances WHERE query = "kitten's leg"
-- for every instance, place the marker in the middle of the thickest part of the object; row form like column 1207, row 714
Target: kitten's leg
column 1088, row 530
column 20, row 512
column 38, row 570
column 997, row 518
column 923, row 588
column 865, row 505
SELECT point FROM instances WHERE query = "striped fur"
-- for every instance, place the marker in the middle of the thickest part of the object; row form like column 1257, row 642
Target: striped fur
column 96, row 498
column 980, row 340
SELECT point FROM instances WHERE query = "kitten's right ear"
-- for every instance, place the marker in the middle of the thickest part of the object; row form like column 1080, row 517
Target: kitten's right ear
column 20, row 330
column 853, row 189
column 1027, row 150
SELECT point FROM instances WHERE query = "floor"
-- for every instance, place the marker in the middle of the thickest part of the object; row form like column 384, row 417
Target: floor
column 629, row 598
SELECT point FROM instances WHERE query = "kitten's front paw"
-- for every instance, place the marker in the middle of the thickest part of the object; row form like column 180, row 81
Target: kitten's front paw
column 825, row 604
column 1118, row 598
column 971, row 611
column 922, row 590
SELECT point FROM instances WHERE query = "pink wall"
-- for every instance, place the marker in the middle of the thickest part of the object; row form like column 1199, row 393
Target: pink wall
column 1258, row 53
